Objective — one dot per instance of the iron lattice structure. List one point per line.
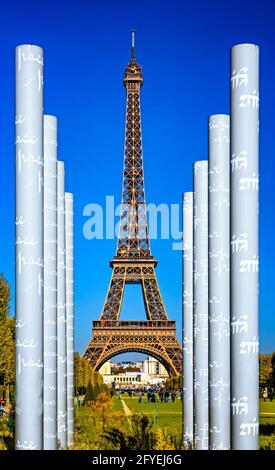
(133, 263)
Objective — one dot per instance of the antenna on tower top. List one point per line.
(133, 45)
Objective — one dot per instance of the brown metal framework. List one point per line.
(133, 263)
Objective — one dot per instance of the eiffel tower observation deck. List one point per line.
(133, 262)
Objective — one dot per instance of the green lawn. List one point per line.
(168, 416)
(267, 407)
(89, 426)
(117, 405)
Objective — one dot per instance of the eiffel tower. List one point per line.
(133, 263)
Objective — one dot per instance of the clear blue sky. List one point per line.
(184, 49)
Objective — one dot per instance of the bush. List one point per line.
(267, 442)
(90, 394)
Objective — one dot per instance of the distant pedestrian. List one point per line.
(161, 396)
(166, 396)
(153, 398)
(265, 394)
(140, 398)
(173, 396)
(149, 397)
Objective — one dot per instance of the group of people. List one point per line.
(163, 395)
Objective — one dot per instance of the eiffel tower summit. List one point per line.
(133, 262)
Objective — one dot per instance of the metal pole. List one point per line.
(61, 313)
(69, 240)
(219, 281)
(244, 246)
(29, 247)
(50, 283)
(188, 319)
(200, 292)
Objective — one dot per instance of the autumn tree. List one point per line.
(83, 374)
(265, 370)
(7, 337)
(273, 368)
(90, 394)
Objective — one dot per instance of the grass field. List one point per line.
(92, 422)
(267, 408)
(117, 405)
(167, 416)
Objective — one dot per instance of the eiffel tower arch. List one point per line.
(133, 263)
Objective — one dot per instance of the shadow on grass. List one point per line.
(266, 428)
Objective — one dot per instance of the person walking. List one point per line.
(140, 397)
(265, 394)
(166, 396)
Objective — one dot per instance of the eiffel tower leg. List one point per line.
(153, 302)
(113, 301)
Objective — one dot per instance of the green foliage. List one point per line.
(273, 368)
(6, 434)
(94, 421)
(139, 436)
(164, 441)
(7, 336)
(173, 383)
(267, 442)
(90, 394)
(83, 374)
(142, 437)
(266, 370)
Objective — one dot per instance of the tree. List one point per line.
(77, 371)
(273, 368)
(7, 337)
(265, 370)
(141, 436)
(163, 440)
(90, 394)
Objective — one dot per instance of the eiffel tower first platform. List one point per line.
(133, 263)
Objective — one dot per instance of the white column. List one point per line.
(69, 240)
(61, 313)
(29, 247)
(219, 281)
(200, 292)
(50, 283)
(188, 319)
(244, 246)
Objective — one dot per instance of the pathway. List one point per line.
(127, 410)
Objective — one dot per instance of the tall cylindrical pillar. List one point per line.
(244, 246)
(61, 313)
(200, 293)
(188, 319)
(69, 241)
(29, 247)
(50, 283)
(219, 281)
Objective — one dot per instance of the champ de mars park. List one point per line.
(212, 389)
